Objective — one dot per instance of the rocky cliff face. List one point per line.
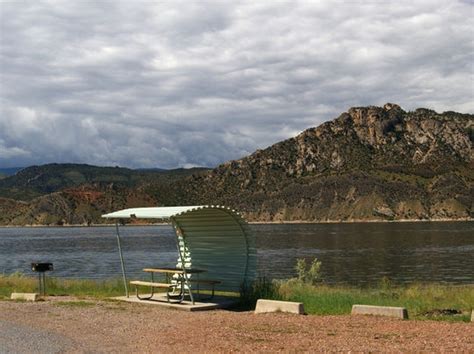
(370, 163)
(366, 138)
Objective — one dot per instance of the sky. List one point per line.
(146, 84)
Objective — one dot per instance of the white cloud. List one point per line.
(14, 152)
(146, 84)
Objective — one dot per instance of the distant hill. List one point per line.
(370, 163)
(35, 181)
(57, 194)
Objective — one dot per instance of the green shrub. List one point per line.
(310, 276)
(262, 288)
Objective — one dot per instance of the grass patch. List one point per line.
(415, 180)
(55, 286)
(421, 300)
(262, 288)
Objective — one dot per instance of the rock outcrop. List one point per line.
(369, 163)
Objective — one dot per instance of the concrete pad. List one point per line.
(397, 312)
(25, 296)
(264, 306)
(217, 302)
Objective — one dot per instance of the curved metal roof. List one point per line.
(153, 212)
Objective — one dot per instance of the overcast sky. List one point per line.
(180, 84)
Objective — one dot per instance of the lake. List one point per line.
(356, 253)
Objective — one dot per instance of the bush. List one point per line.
(262, 288)
(310, 276)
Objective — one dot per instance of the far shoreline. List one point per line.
(292, 222)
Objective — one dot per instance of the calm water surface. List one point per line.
(350, 253)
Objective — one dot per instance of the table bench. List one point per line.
(181, 283)
(213, 283)
(152, 285)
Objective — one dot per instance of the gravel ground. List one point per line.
(66, 325)
(15, 338)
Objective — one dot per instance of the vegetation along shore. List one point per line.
(423, 301)
(294, 222)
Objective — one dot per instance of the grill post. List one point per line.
(41, 269)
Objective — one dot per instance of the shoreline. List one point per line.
(283, 222)
(360, 221)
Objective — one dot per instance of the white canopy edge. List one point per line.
(160, 212)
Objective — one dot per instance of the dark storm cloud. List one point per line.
(145, 84)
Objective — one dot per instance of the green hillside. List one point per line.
(36, 181)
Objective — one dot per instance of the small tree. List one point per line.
(310, 276)
(301, 270)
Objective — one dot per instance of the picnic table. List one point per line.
(177, 283)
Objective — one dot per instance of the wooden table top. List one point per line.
(173, 270)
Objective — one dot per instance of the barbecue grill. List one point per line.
(41, 269)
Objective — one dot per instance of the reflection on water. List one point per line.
(359, 253)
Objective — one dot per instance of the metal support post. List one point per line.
(124, 275)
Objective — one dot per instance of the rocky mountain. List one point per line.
(370, 163)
